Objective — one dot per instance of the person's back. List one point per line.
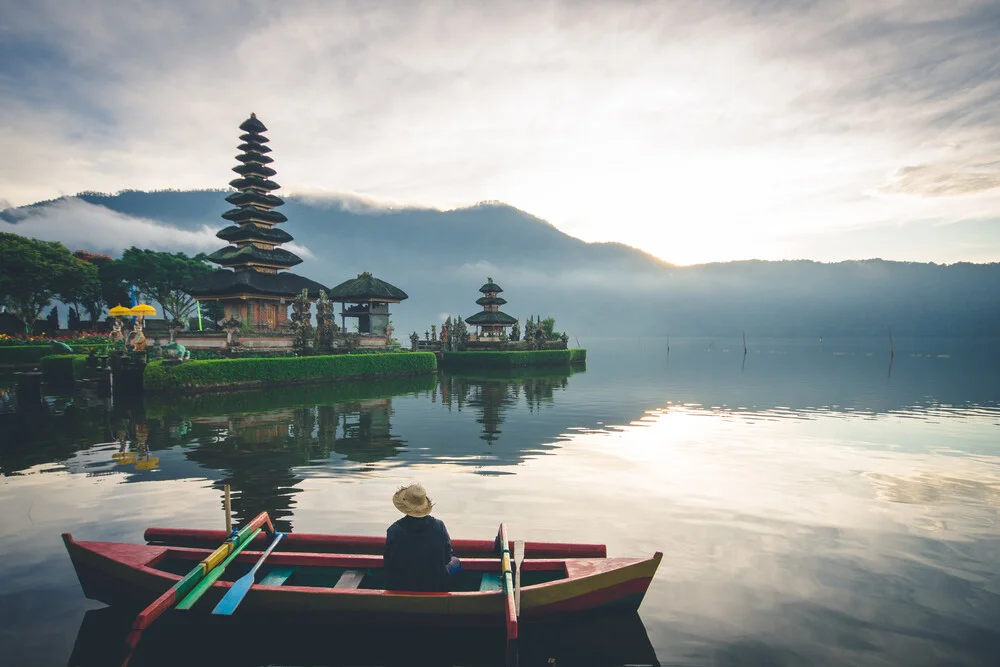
(417, 547)
(417, 552)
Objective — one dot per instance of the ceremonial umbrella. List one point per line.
(142, 310)
(119, 311)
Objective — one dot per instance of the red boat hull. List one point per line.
(127, 575)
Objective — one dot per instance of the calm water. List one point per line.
(815, 504)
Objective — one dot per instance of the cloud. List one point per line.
(943, 180)
(79, 225)
(627, 121)
(84, 226)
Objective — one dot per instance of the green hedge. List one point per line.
(513, 359)
(32, 354)
(63, 368)
(193, 376)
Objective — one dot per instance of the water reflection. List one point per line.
(813, 508)
(614, 639)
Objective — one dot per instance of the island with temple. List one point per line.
(497, 341)
(268, 335)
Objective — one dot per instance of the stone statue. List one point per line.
(117, 336)
(136, 338)
(174, 350)
(414, 339)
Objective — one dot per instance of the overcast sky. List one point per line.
(698, 131)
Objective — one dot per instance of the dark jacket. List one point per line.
(416, 555)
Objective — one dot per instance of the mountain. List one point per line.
(440, 258)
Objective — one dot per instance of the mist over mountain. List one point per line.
(440, 258)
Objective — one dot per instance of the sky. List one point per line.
(710, 130)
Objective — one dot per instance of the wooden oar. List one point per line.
(518, 559)
(510, 608)
(213, 576)
(180, 590)
(234, 596)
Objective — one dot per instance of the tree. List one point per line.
(529, 330)
(164, 276)
(212, 312)
(548, 327)
(515, 332)
(111, 288)
(32, 272)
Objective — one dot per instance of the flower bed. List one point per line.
(71, 340)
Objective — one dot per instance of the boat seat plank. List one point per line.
(277, 576)
(492, 581)
(350, 579)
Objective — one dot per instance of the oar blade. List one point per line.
(231, 600)
(234, 596)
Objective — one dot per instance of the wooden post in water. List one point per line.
(228, 508)
(892, 349)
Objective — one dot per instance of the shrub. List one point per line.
(514, 358)
(222, 373)
(63, 368)
(32, 354)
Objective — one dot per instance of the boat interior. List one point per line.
(355, 572)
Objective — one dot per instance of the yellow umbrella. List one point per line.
(142, 310)
(119, 311)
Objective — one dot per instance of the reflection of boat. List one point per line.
(352, 585)
(598, 640)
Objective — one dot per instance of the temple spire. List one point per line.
(255, 241)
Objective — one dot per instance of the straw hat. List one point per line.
(412, 500)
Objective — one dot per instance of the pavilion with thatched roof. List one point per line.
(491, 322)
(367, 298)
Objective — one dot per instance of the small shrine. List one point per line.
(491, 322)
(367, 299)
(257, 288)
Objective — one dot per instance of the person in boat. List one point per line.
(418, 554)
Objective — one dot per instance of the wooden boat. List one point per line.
(365, 544)
(351, 585)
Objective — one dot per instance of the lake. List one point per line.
(817, 502)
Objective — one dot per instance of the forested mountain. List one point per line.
(440, 258)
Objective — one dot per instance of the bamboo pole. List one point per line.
(228, 508)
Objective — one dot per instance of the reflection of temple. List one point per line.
(493, 396)
(365, 434)
(260, 451)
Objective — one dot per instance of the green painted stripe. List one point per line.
(213, 576)
(190, 580)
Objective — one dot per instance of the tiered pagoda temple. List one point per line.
(369, 300)
(492, 321)
(258, 288)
